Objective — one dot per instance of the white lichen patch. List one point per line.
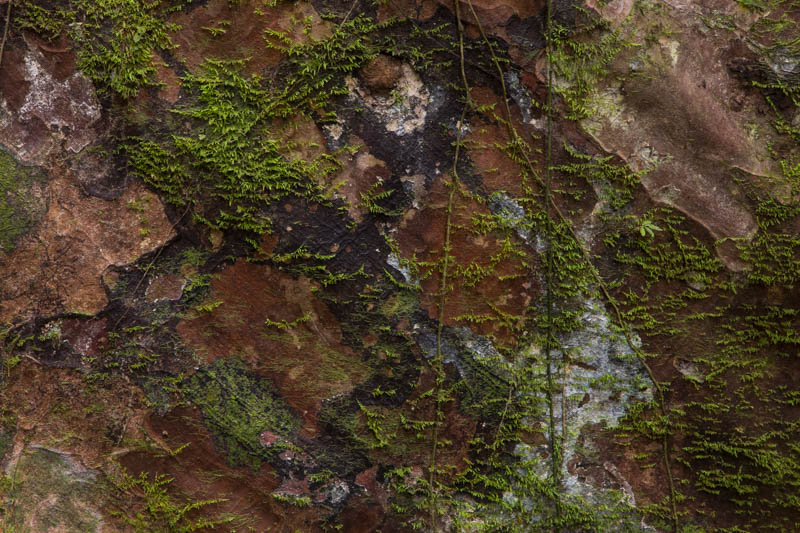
(597, 361)
(333, 132)
(672, 49)
(520, 95)
(511, 213)
(645, 157)
(606, 109)
(403, 111)
(5, 116)
(597, 378)
(68, 108)
(417, 185)
(401, 266)
(53, 487)
(784, 64)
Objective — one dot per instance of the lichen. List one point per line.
(52, 490)
(19, 206)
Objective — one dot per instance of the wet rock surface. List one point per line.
(317, 266)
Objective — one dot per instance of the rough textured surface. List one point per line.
(408, 266)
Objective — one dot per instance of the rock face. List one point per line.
(64, 493)
(492, 265)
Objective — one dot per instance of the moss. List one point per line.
(580, 59)
(773, 254)
(234, 164)
(231, 167)
(317, 67)
(616, 181)
(239, 406)
(115, 39)
(676, 255)
(161, 513)
(6, 441)
(400, 304)
(345, 452)
(19, 210)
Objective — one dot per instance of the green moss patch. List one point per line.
(231, 166)
(19, 210)
(115, 40)
(238, 407)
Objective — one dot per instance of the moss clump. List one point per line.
(580, 59)
(773, 254)
(232, 166)
(121, 59)
(160, 511)
(675, 256)
(19, 211)
(115, 39)
(238, 407)
(318, 66)
(345, 451)
(617, 182)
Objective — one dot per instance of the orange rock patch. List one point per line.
(60, 268)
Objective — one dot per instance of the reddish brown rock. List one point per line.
(301, 350)
(485, 140)
(59, 269)
(86, 337)
(381, 73)
(614, 11)
(421, 234)
(243, 492)
(52, 406)
(362, 515)
(170, 83)
(221, 29)
(166, 287)
(493, 14)
(293, 487)
(270, 439)
(680, 126)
